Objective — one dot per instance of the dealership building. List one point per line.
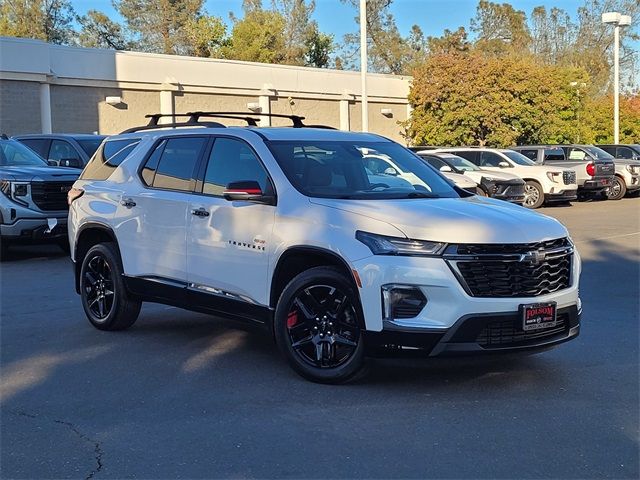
(51, 88)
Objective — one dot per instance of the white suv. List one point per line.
(542, 183)
(284, 228)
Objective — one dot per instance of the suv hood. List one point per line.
(456, 220)
(43, 173)
(460, 180)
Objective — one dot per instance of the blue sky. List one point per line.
(433, 16)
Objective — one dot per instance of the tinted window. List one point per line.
(554, 154)
(491, 159)
(38, 145)
(232, 160)
(531, 154)
(89, 145)
(609, 149)
(623, 152)
(13, 153)
(107, 158)
(176, 166)
(473, 157)
(62, 150)
(435, 162)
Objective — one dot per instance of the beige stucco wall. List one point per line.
(323, 112)
(19, 107)
(378, 123)
(192, 101)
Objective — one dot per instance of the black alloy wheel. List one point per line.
(105, 300)
(98, 286)
(322, 326)
(319, 328)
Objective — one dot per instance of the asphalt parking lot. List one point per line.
(182, 395)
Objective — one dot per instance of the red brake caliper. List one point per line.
(292, 319)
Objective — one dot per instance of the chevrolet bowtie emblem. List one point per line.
(535, 257)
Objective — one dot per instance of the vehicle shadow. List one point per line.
(18, 253)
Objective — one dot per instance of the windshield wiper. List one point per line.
(421, 195)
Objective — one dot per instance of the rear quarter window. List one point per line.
(108, 157)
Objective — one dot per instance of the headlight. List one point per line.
(552, 176)
(382, 245)
(14, 190)
(633, 168)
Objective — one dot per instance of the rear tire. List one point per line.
(319, 327)
(533, 195)
(105, 300)
(617, 190)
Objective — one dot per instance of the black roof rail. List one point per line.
(173, 125)
(296, 120)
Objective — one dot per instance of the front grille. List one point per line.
(569, 177)
(515, 270)
(509, 333)
(50, 195)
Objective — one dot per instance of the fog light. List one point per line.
(402, 301)
(20, 189)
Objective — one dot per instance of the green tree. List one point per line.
(161, 25)
(478, 100)
(99, 31)
(388, 51)
(449, 42)
(48, 20)
(318, 48)
(257, 37)
(500, 29)
(206, 36)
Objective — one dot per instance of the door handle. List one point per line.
(127, 202)
(200, 212)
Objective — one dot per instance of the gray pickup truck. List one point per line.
(594, 173)
(33, 197)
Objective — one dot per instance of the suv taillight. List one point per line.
(591, 169)
(74, 194)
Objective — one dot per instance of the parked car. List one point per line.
(246, 223)
(65, 150)
(542, 183)
(33, 202)
(627, 179)
(500, 185)
(384, 165)
(622, 151)
(594, 175)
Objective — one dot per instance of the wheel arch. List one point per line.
(298, 259)
(90, 234)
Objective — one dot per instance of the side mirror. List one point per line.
(71, 162)
(248, 191)
(391, 171)
(445, 168)
(52, 163)
(503, 165)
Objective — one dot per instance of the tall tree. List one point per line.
(161, 25)
(387, 49)
(500, 29)
(99, 31)
(257, 37)
(206, 36)
(449, 42)
(48, 20)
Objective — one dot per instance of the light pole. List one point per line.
(618, 20)
(578, 86)
(363, 65)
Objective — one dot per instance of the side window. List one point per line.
(472, 156)
(108, 156)
(530, 154)
(576, 154)
(624, 152)
(232, 160)
(435, 162)
(490, 159)
(38, 145)
(554, 154)
(611, 150)
(62, 150)
(175, 165)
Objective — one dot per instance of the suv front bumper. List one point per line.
(34, 230)
(497, 332)
(561, 196)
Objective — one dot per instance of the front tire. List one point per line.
(617, 190)
(533, 195)
(105, 300)
(319, 327)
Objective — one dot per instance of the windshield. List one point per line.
(90, 145)
(460, 163)
(366, 170)
(13, 153)
(598, 153)
(518, 158)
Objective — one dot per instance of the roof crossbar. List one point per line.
(296, 120)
